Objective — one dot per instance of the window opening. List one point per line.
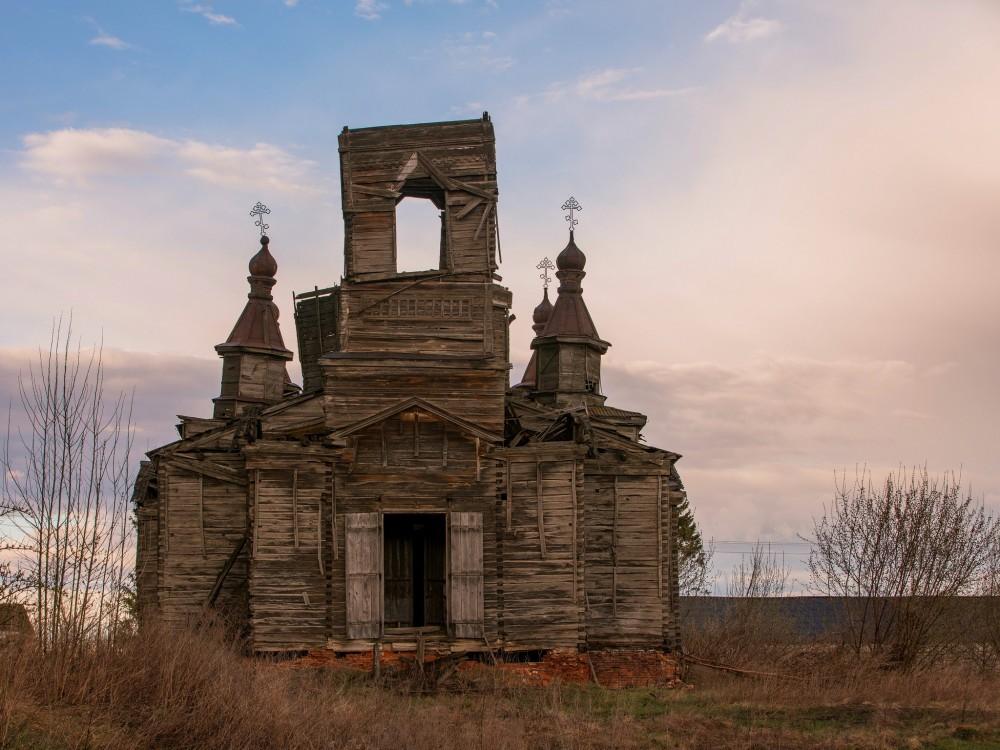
(419, 235)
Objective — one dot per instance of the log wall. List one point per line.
(201, 521)
(288, 579)
(389, 470)
(625, 528)
(541, 573)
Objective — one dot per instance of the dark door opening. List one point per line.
(414, 569)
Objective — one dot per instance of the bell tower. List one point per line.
(438, 334)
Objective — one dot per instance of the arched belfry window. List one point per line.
(419, 233)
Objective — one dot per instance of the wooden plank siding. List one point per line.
(358, 388)
(413, 463)
(201, 521)
(542, 594)
(622, 560)
(288, 587)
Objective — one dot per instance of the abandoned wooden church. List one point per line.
(407, 490)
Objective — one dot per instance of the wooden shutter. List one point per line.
(363, 561)
(465, 553)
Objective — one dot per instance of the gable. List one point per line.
(415, 439)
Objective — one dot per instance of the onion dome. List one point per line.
(571, 258)
(263, 263)
(543, 311)
(257, 327)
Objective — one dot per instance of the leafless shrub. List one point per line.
(65, 489)
(989, 613)
(900, 553)
(751, 629)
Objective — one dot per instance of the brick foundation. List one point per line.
(613, 668)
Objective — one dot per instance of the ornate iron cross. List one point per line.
(545, 266)
(571, 205)
(260, 210)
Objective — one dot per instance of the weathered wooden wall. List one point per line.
(288, 578)
(541, 576)
(202, 519)
(431, 316)
(317, 331)
(358, 387)
(403, 465)
(626, 521)
(147, 568)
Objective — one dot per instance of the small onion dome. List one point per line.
(263, 263)
(571, 258)
(543, 312)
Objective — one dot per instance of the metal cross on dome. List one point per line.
(545, 266)
(571, 205)
(260, 210)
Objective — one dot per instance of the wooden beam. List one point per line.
(166, 514)
(468, 208)
(221, 578)
(333, 511)
(295, 506)
(473, 190)
(256, 510)
(208, 468)
(510, 498)
(201, 513)
(435, 172)
(540, 507)
(576, 564)
(659, 536)
(482, 220)
(614, 553)
(376, 191)
(319, 538)
(319, 323)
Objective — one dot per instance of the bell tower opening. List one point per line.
(419, 235)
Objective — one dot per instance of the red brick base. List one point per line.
(613, 668)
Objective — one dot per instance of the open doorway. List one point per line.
(414, 549)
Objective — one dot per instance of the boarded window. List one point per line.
(466, 575)
(363, 561)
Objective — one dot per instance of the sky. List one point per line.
(790, 208)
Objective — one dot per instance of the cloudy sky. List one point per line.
(791, 209)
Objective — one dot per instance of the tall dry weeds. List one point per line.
(194, 689)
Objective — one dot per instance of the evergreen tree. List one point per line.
(693, 559)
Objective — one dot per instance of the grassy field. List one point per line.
(193, 692)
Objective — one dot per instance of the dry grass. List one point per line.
(193, 690)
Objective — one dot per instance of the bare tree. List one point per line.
(899, 553)
(13, 580)
(750, 626)
(989, 611)
(66, 488)
(761, 573)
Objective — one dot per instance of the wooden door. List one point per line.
(434, 577)
(363, 562)
(465, 574)
(398, 580)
